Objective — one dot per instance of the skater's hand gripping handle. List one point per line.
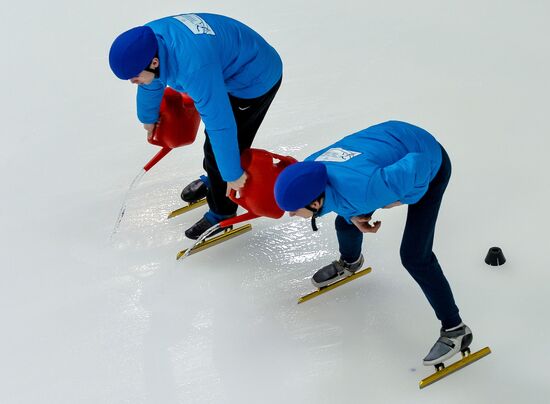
(237, 184)
(150, 128)
(232, 194)
(363, 224)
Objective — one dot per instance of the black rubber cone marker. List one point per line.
(495, 257)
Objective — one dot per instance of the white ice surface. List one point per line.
(89, 320)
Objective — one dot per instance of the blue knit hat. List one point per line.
(132, 52)
(299, 184)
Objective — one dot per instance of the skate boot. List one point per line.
(451, 341)
(207, 221)
(334, 272)
(196, 190)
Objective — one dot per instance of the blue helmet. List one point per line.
(132, 52)
(300, 184)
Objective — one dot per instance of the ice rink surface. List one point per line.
(86, 319)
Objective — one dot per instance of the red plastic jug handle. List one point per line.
(239, 201)
(285, 159)
(233, 196)
(151, 138)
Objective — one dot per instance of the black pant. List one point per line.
(416, 246)
(248, 121)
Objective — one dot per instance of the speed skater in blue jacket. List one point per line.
(386, 165)
(231, 73)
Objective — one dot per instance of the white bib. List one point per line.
(195, 23)
(337, 155)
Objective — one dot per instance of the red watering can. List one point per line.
(178, 124)
(257, 195)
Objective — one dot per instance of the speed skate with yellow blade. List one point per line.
(187, 208)
(334, 285)
(205, 242)
(441, 371)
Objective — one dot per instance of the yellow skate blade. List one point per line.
(465, 361)
(216, 240)
(324, 289)
(187, 208)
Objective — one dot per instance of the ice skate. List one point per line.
(335, 274)
(199, 228)
(194, 194)
(335, 271)
(208, 232)
(450, 342)
(196, 190)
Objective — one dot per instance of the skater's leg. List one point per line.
(416, 248)
(220, 206)
(249, 114)
(217, 201)
(350, 239)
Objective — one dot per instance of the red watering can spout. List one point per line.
(161, 153)
(177, 126)
(257, 195)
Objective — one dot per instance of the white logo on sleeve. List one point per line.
(196, 24)
(337, 155)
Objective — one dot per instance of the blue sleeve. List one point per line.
(408, 179)
(207, 88)
(148, 99)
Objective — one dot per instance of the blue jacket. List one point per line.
(209, 56)
(389, 162)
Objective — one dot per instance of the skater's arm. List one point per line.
(207, 88)
(363, 224)
(148, 99)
